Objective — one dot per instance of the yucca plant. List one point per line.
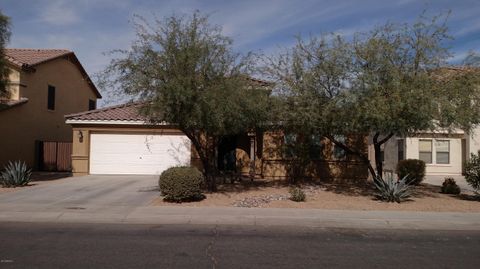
(15, 174)
(391, 190)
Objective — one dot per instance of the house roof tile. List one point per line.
(124, 112)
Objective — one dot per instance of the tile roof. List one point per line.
(124, 112)
(32, 57)
(6, 104)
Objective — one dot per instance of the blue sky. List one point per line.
(91, 27)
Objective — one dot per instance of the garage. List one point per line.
(141, 154)
(119, 140)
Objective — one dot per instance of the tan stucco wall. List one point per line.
(22, 125)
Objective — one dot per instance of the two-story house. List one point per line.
(44, 85)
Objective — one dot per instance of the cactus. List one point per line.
(391, 190)
(15, 174)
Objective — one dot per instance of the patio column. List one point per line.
(251, 135)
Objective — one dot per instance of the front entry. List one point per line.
(226, 158)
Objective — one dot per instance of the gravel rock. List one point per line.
(259, 201)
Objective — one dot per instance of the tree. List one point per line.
(187, 74)
(384, 83)
(4, 38)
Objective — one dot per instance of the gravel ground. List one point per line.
(332, 196)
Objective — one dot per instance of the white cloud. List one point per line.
(59, 12)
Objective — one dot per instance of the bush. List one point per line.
(414, 169)
(449, 186)
(472, 171)
(297, 194)
(15, 174)
(179, 184)
(391, 190)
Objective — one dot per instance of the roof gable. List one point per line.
(29, 58)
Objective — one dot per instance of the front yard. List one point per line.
(344, 196)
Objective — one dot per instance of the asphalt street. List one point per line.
(43, 245)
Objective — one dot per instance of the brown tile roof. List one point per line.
(6, 104)
(124, 112)
(28, 58)
(32, 57)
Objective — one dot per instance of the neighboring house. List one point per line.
(443, 153)
(44, 85)
(117, 140)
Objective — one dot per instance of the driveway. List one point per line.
(85, 192)
(438, 180)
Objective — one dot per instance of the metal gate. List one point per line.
(55, 156)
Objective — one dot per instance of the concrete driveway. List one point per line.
(438, 180)
(85, 192)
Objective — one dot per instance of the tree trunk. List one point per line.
(377, 146)
(206, 152)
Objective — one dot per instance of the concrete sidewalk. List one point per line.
(248, 216)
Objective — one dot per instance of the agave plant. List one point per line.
(15, 174)
(391, 190)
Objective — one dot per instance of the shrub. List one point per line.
(472, 171)
(297, 194)
(414, 169)
(391, 190)
(179, 184)
(15, 174)
(449, 186)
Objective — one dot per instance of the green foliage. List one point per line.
(472, 171)
(391, 190)
(15, 174)
(179, 184)
(449, 186)
(297, 194)
(4, 38)
(414, 169)
(187, 73)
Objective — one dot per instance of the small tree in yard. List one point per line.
(187, 74)
(387, 82)
(4, 38)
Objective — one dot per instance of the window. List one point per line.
(92, 104)
(425, 150)
(290, 140)
(442, 148)
(401, 149)
(338, 152)
(51, 98)
(316, 147)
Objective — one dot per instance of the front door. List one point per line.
(227, 159)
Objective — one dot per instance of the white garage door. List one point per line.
(137, 154)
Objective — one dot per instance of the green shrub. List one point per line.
(15, 174)
(414, 169)
(449, 186)
(472, 171)
(391, 190)
(297, 194)
(179, 184)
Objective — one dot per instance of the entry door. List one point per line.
(137, 153)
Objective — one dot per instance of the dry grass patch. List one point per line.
(345, 196)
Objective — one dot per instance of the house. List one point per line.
(44, 85)
(118, 140)
(443, 153)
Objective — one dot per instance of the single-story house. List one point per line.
(444, 153)
(119, 140)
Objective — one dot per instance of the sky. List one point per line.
(92, 27)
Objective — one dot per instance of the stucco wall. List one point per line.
(22, 125)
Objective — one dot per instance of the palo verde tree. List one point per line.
(4, 38)
(384, 83)
(185, 71)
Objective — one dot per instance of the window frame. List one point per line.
(431, 150)
(90, 102)
(437, 151)
(51, 97)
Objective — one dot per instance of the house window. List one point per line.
(425, 151)
(92, 104)
(338, 152)
(51, 98)
(316, 147)
(442, 150)
(401, 149)
(290, 140)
